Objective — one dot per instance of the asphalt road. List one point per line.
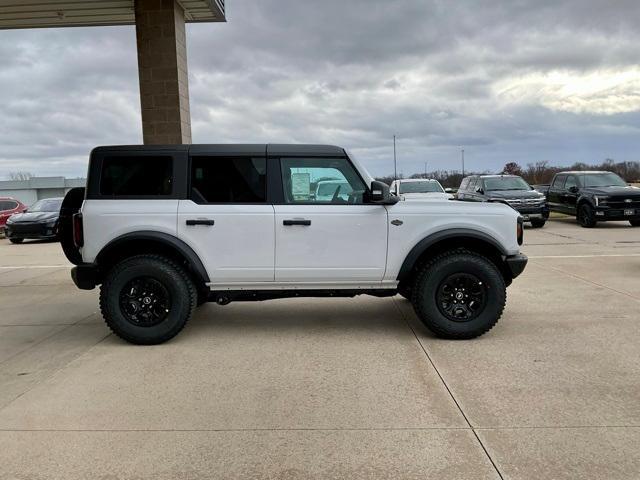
(331, 388)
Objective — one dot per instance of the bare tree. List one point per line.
(20, 175)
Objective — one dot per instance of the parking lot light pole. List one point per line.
(462, 162)
(395, 164)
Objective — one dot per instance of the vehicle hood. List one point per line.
(629, 191)
(31, 217)
(426, 196)
(508, 194)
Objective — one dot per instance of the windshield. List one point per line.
(420, 187)
(602, 180)
(505, 183)
(49, 205)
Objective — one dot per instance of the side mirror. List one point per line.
(573, 189)
(480, 190)
(380, 194)
(448, 190)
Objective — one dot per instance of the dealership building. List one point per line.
(36, 188)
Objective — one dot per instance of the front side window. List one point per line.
(428, 186)
(133, 176)
(321, 180)
(228, 180)
(7, 205)
(472, 183)
(464, 184)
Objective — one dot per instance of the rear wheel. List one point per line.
(586, 216)
(635, 223)
(536, 223)
(147, 299)
(16, 240)
(459, 295)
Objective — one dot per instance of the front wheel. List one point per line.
(537, 223)
(459, 295)
(635, 223)
(147, 299)
(586, 216)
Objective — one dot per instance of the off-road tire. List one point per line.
(635, 223)
(538, 223)
(586, 216)
(170, 275)
(436, 271)
(404, 291)
(16, 240)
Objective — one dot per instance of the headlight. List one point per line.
(600, 200)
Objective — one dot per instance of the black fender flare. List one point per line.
(585, 199)
(418, 249)
(167, 240)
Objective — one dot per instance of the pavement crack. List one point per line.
(455, 401)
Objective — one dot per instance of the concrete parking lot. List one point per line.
(340, 388)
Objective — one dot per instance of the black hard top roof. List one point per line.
(230, 148)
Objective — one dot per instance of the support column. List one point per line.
(162, 70)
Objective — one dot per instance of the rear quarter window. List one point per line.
(135, 176)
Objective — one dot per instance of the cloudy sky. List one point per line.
(513, 80)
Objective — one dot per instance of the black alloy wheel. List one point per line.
(145, 302)
(461, 297)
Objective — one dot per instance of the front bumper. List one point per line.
(528, 213)
(516, 263)
(85, 276)
(604, 213)
(31, 230)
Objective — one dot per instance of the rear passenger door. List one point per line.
(226, 218)
(329, 242)
(556, 190)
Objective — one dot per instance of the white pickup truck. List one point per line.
(163, 229)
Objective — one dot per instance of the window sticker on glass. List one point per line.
(300, 186)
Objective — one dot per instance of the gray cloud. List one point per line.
(523, 81)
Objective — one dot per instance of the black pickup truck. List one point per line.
(511, 190)
(593, 197)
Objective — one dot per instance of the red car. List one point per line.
(9, 206)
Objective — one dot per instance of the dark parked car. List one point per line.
(509, 189)
(593, 197)
(39, 221)
(9, 206)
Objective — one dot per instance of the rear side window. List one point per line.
(558, 182)
(130, 176)
(228, 180)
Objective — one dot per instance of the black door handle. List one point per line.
(206, 222)
(288, 223)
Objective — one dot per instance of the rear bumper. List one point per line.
(85, 276)
(516, 263)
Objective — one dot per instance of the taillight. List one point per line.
(78, 233)
(520, 230)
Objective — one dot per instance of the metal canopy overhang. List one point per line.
(74, 13)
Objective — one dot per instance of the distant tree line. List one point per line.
(534, 173)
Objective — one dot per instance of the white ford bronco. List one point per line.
(163, 229)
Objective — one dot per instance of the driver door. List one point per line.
(323, 239)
